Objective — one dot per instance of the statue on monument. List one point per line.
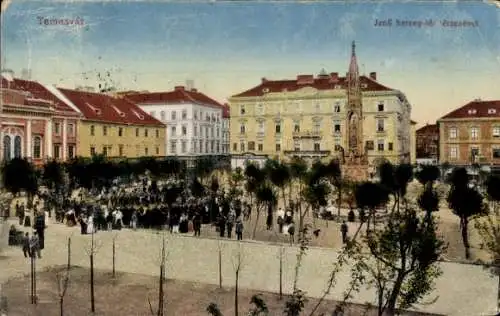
(353, 132)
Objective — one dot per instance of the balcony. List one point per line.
(308, 153)
(307, 134)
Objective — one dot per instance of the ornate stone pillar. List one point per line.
(48, 139)
(27, 152)
(65, 139)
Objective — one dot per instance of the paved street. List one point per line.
(461, 290)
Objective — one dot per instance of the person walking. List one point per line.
(35, 246)
(26, 245)
(281, 219)
(197, 224)
(344, 229)
(291, 232)
(133, 220)
(230, 222)
(239, 229)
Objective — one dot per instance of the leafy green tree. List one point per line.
(213, 310)
(466, 203)
(20, 175)
(265, 197)
(254, 179)
(53, 175)
(279, 174)
(314, 194)
(428, 174)
(334, 174)
(396, 180)
(79, 176)
(428, 201)
(298, 174)
(370, 196)
(259, 307)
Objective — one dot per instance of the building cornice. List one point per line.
(89, 121)
(468, 119)
(319, 95)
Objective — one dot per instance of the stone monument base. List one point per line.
(356, 172)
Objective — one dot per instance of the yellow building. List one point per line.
(307, 116)
(114, 126)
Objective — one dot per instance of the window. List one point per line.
(120, 131)
(452, 132)
(104, 131)
(474, 133)
(183, 146)
(206, 147)
(57, 128)
(496, 131)
(173, 131)
(390, 146)
(92, 130)
(260, 147)
(201, 131)
(92, 150)
(317, 146)
(235, 146)
(260, 109)
(296, 145)
(217, 147)
(218, 132)
(242, 129)
(201, 146)
(195, 130)
(195, 114)
(206, 131)
(336, 128)
(184, 114)
(261, 127)
(71, 151)
(474, 153)
(278, 147)
(318, 107)
(278, 128)
(195, 146)
(162, 115)
(380, 145)
(380, 125)
(381, 107)
(146, 132)
(174, 115)
(136, 132)
(212, 146)
(37, 147)
(71, 129)
(157, 133)
(120, 150)
(104, 150)
(496, 153)
(173, 147)
(317, 127)
(242, 146)
(336, 107)
(157, 150)
(251, 146)
(57, 151)
(146, 151)
(212, 131)
(242, 110)
(369, 145)
(184, 130)
(453, 152)
(296, 128)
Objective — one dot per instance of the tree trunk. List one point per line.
(236, 293)
(220, 268)
(396, 289)
(498, 292)
(61, 304)
(160, 291)
(32, 280)
(256, 222)
(92, 298)
(114, 254)
(464, 223)
(339, 202)
(281, 275)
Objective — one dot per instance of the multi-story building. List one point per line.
(428, 142)
(194, 121)
(34, 124)
(226, 120)
(471, 134)
(307, 117)
(113, 126)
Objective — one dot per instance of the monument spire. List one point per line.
(353, 66)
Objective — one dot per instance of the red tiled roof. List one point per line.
(226, 111)
(39, 95)
(476, 109)
(179, 95)
(428, 129)
(102, 107)
(324, 82)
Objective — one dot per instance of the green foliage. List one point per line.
(18, 175)
(371, 195)
(466, 202)
(298, 168)
(53, 175)
(493, 188)
(259, 306)
(295, 304)
(213, 310)
(428, 201)
(428, 174)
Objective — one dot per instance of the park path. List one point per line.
(461, 290)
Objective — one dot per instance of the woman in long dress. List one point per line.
(90, 225)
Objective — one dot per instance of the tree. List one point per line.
(428, 201)
(219, 261)
(370, 196)
(92, 250)
(396, 179)
(254, 177)
(279, 174)
(334, 175)
(314, 194)
(466, 203)
(489, 228)
(404, 261)
(259, 306)
(298, 173)
(427, 175)
(19, 175)
(237, 269)
(62, 279)
(265, 197)
(214, 310)
(161, 290)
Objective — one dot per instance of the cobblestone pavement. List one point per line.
(461, 290)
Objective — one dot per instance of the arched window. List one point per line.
(37, 147)
(17, 147)
(7, 155)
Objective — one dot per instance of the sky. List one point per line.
(227, 47)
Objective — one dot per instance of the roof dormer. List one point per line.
(93, 108)
(472, 111)
(117, 110)
(140, 116)
(492, 111)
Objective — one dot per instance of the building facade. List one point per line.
(226, 121)
(428, 142)
(471, 134)
(113, 126)
(34, 124)
(307, 117)
(195, 122)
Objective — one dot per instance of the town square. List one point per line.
(249, 158)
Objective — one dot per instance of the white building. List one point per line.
(195, 123)
(226, 120)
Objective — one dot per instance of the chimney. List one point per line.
(334, 76)
(179, 88)
(190, 84)
(263, 80)
(305, 79)
(194, 90)
(373, 76)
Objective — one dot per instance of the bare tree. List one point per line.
(219, 249)
(92, 250)
(114, 255)
(62, 279)
(280, 257)
(237, 264)
(161, 291)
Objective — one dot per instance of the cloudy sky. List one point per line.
(227, 47)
